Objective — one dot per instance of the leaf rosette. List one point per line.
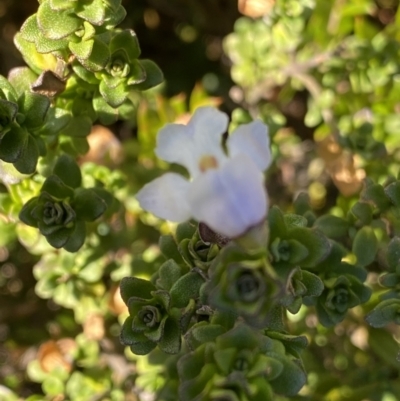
(151, 320)
(123, 72)
(301, 283)
(61, 210)
(21, 117)
(292, 243)
(240, 364)
(202, 248)
(243, 284)
(340, 294)
(62, 28)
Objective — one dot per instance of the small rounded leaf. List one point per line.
(185, 289)
(386, 312)
(154, 75)
(332, 226)
(365, 246)
(393, 253)
(68, 170)
(88, 205)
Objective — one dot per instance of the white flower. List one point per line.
(226, 191)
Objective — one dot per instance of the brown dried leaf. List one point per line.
(116, 303)
(340, 165)
(55, 354)
(48, 84)
(93, 327)
(105, 148)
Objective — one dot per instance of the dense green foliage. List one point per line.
(280, 278)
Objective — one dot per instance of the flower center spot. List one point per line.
(207, 162)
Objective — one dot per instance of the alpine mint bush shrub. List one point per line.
(251, 254)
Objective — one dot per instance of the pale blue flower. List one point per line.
(226, 190)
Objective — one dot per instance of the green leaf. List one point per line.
(393, 193)
(185, 289)
(386, 312)
(389, 280)
(56, 25)
(154, 75)
(332, 226)
(26, 163)
(365, 246)
(393, 253)
(294, 220)
(291, 380)
(77, 238)
(363, 212)
(46, 45)
(34, 106)
(53, 385)
(13, 143)
(88, 205)
(55, 187)
(190, 365)
(203, 332)
(106, 196)
(60, 5)
(107, 114)
(136, 287)
(68, 170)
(143, 348)
(314, 284)
(82, 50)
(80, 146)
(137, 74)
(184, 230)
(224, 359)
(171, 340)
(169, 273)
(384, 347)
(127, 41)
(115, 18)
(37, 61)
(25, 215)
(85, 74)
(113, 96)
(30, 30)
(8, 112)
(317, 244)
(297, 251)
(57, 119)
(79, 126)
(60, 237)
(376, 194)
(21, 78)
(98, 57)
(276, 223)
(293, 344)
(169, 248)
(93, 11)
(127, 336)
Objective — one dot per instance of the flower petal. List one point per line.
(230, 200)
(165, 197)
(187, 145)
(207, 126)
(175, 145)
(253, 140)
